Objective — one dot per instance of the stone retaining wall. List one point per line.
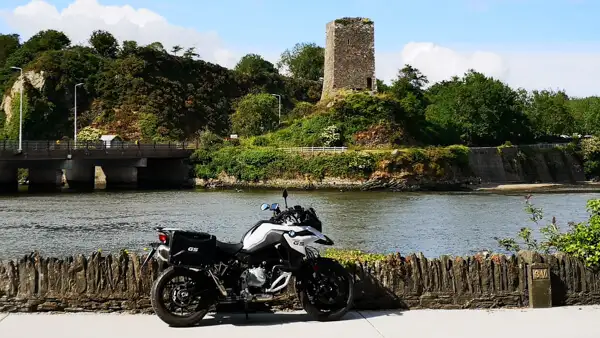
(116, 283)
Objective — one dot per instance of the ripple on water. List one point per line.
(434, 224)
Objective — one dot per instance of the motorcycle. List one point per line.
(257, 269)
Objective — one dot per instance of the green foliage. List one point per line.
(549, 113)
(104, 43)
(9, 43)
(478, 110)
(89, 134)
(254, 164)
(254, 64)
(581, 240)
(11, 129)
(301, 110)
(590, 152)
(255, 114)
(351, 257)
(305, 60)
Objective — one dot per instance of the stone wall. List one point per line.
(349, 56)
(116, 283)
(525, 165)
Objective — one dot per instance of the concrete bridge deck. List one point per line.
(125, 165)
(572, 322)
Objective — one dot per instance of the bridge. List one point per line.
(126, 165)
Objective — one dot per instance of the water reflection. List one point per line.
(434, 224)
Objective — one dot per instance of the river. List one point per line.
(435, 224)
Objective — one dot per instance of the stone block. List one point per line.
(539, 285)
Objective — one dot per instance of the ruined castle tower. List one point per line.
(349, 56)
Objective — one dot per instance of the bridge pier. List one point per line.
(120, 178)
(44, 179)
(165, 174)
(81, 176)
(9, 182)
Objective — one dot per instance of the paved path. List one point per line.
(564, 322)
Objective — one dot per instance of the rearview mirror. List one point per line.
(285, 193)
(274, 206)
(264, 207)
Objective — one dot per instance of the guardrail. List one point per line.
(315, 149)
(11, 145)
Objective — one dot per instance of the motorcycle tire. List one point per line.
(313, 310)
(159, 307)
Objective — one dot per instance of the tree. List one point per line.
(176, 49)
(305, 60)
(9, 43)
(255, 114)
(89, 134)
(104, 43)
(586, 114)
(254, 64)
(549, 113)
(478, 110)
(190, 53)
(382, 87)
(408, 88)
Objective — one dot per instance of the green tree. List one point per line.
(586, 114)
(190, 53)
(104, 43)
(89, 134)
(549, 113)
(382, 87)
(254, 64)
(304, 60)
(9, 43)
(176, 49)
(255, 114)
(478, 110)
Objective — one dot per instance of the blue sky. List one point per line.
(517, 35)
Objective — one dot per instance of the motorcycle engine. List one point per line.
(256, 277)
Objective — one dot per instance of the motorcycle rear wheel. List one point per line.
(180, 297)
(318, 287)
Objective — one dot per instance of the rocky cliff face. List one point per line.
(37, 80)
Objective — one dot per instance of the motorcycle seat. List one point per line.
(229, 248)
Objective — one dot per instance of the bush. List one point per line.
(581, 240)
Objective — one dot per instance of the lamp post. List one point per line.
(279, 97)
(75, 122)
(20, 109)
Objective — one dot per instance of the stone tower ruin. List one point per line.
(349, 56)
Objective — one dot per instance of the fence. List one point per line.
(315, 149)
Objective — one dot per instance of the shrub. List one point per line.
(581, 240)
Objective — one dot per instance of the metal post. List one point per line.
(75, 122)
(20, 109)
(279, 107)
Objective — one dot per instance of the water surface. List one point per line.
(435, 224)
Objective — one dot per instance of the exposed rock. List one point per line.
(37, 80)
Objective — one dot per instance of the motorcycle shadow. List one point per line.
(264, 318)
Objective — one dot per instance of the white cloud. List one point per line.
(571, 69)
(575, 71)
(82, 17)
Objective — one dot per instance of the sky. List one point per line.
(533, 44)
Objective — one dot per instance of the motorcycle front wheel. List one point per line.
(181, 297)
(326, 292)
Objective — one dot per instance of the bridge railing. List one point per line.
(11, 145)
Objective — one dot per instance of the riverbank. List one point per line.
(328, 184)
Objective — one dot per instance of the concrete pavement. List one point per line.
(571, 322)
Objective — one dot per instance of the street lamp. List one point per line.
(20, 109)
(279, 97)
(75, 123)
